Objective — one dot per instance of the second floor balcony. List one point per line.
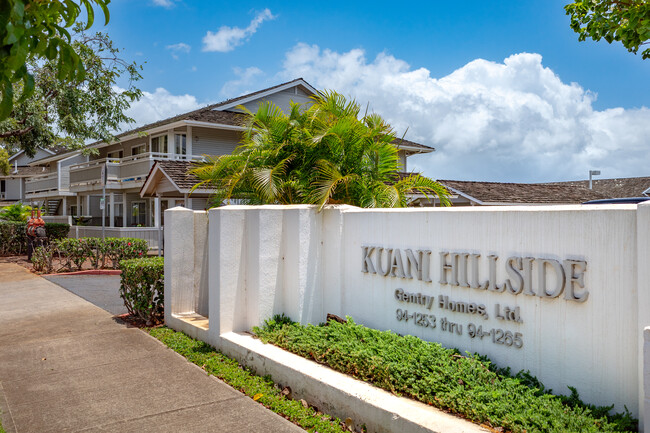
(42, 184)
(121, 173)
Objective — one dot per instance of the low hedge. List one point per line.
(470, 386)
(13, 239)
(73, 253)
(142, 288)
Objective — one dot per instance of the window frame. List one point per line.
(157, 137)
(138, 146)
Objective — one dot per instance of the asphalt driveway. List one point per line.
(100, 290)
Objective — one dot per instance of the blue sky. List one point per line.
(557, 108)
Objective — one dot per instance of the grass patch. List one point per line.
(260, 389)
(470, 386)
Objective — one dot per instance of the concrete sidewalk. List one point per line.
(67, 366)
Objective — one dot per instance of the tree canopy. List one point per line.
(69, 113)
(34, 30)
(626, 21)
(322, 153)
(5, 167)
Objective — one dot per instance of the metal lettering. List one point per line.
(366, 260)
(559, 278)
(396, 265)
(575, 274)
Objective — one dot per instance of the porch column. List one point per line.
(188, 142)
(111, 210)
(64, 210)
(87, 204)
(171, 146)
(78, 205)
(125, 211)
(156, 212)
(185, 198)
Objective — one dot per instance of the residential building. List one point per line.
(74, 180)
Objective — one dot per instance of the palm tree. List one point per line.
(327, 153)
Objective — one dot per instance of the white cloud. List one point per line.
(245, 83)
(510, 121)
(159, 105)
(227, 38)
(180, 47)
(164, 3)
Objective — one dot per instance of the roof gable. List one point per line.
(260, 95)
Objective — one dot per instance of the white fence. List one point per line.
(150, 234)
(562, 291)
(57, 219)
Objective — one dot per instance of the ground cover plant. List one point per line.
(142, 288)
(260, 389)
(469, 386)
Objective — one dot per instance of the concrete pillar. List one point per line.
(643, 290)
(111, 209)
(179, 262)
(227, 278)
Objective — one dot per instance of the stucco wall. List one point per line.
(297, 261)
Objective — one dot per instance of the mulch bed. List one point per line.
(133, 321)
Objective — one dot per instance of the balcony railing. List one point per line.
(42, 183)
(120, 172)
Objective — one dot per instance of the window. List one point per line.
(73, 210)
(137, 150)
(138, 213)
(180, 141)
(159, 144)
(116, 154)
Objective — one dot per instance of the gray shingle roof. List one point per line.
(208, 113)
(525, 193)
(614, 188)
(179, 173)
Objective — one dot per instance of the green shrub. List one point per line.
(16, 212)
(467, 385)
(75, 252)
(43, 259)
(13, 240)
(142, 288)
(56, 231)
(118, 249)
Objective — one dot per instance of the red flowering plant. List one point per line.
(125, 248)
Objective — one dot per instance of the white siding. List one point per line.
(281, 99)
(23, 159)
(13, 189)
(213, 142)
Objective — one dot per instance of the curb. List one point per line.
(88, 272)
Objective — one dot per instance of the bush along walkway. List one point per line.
(260, 389)
(470, 386)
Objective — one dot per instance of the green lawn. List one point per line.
(260, 389)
